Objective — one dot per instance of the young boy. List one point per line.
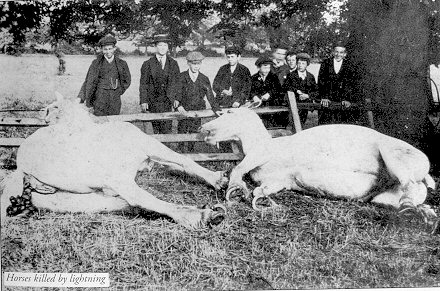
(232, 83)
(267, 89)
(107, 79)
(157, 75)
(302, 83)
(189, 92)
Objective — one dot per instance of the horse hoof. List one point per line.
(219, 208)
(265, 203)
(216, 219)
(232, 193)
(407, 210)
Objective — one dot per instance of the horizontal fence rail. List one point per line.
(177, 138)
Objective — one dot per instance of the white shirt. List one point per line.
(193, 76)
(337, 65)
(110, 59)
(233, 68)
(302, 75)
(163, 59)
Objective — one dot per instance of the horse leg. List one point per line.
(236, 182)
(175, 161)
(71, 202)
(188, 216)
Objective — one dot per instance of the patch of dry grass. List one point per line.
(308, 243)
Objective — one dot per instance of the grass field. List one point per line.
(310, 242)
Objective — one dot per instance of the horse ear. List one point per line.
(59, 96)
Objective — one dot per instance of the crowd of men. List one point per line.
(163, 88)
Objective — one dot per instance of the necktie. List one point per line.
(162, 63)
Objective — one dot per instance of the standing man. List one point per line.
(302, 83)
(107, 79)
(157, 76)
(335, 81)
(232, 84)
(279, 66)
(189, 92)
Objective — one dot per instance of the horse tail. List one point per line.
(12, 185)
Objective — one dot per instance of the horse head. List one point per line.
(65, 110)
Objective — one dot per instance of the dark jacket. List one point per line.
(88, 89)
(308, 85)
(191, 94)
(281, 72)
(240, 81)
(271, 85)
(155, 84)
(336, 87)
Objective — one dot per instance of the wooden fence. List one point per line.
(177, 138)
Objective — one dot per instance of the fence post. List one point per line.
(294, 110)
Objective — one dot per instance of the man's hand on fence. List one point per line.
(227, 92)
(346, 104)
(144, 107)
(325, 102)
(256, 99)
(303, 96)
(181, 110)
(265, 96)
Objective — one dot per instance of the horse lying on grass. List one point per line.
(78, 165)
(342, 161)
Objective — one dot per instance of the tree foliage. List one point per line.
(19, 17)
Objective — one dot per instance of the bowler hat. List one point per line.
(161, 38)
(232, 50)
(263, 60)
(194, 56)
(107, 40)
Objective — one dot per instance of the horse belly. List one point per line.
(319, 176)
(342, 184)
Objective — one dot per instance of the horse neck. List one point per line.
(254, 137)
(76, 118)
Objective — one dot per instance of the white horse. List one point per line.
(91, 167)
(344, 161)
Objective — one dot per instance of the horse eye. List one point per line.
(230, 111)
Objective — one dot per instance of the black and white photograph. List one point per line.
(219, 144)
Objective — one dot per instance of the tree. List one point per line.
(276, 17)
(19, 17)
(391, 42)
(176, 18)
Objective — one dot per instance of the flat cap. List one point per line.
(161, 38)
(232, 50)
(263, 60)
(107, 40)
(340, 43)
(303, 56)
(194, 56)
